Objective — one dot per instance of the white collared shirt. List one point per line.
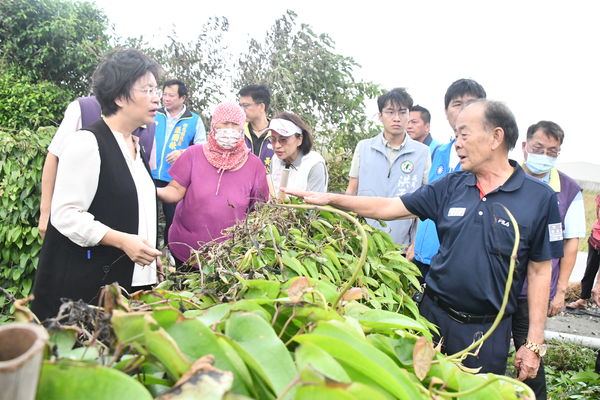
(76, 184)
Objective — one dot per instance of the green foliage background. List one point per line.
(48, 52)
(21, 160)
(53, 40)
(28, 105)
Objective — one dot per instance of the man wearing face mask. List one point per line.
(540, 151)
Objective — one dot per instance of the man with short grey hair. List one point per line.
(468, 275)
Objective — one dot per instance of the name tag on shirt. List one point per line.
(555, 232)
(456, 212)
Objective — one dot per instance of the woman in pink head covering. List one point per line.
(215, 183)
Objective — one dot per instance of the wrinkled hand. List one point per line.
(317, 198)
(557, 304)
(138, 250)
(596, 294)
(43, 223)
(526, 363)
(174, 155)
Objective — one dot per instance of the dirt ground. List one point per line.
(586, 323)
(578, 322)
(575, 324)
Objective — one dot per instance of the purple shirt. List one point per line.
(203, 213)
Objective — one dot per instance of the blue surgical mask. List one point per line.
(540, 163)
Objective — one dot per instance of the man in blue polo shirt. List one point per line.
(176, 129)
(465, 285)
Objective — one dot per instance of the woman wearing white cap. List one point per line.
(295, 166)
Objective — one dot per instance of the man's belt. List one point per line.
(460, 316)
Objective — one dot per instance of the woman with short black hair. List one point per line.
(103, 214)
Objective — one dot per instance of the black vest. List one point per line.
(67, 270)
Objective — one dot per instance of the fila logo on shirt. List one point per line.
(503, 222)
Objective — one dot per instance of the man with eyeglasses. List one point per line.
(391, 164)
(255, 100)
(540, 151)
(80, 113)
(177, 128)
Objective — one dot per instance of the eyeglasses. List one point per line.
(282, 139)
(152, 91)
(388, 112)
(246, 105)
(541, 150)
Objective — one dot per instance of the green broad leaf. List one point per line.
(337, 391)
(413, 279)
(212, 315)
(261, 289)
(311, 267)
(238, 367)
(195, 340)
(63, 339)
(381, 320)
(315, 357)
(90, 353)
(315, 314)
(148, 380)
(469, 381)
(331, 254)
(262, 351)
(26, 286)
(254, 306)
(74, 381)
(129, 327)
(16, 274)
(327, 265)
(164, 348)
(448, 372)
(293, 264)
(390, 275)
(334, 338)
(398, 349)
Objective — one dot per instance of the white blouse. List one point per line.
(76, 184)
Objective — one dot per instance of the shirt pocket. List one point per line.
(501, 237)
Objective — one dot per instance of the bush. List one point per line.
(53, 40)
(27, 105)
(21, 160)
(570, 372)
(569, 357)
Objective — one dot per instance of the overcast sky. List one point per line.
(539, 57)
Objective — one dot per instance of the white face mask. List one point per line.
(227, 138)
(540, 163)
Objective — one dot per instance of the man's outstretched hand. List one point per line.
(317, 198)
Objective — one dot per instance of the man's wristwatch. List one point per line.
(539, 349)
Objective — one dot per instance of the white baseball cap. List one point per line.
(284, 127)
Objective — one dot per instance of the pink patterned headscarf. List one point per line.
(220, 158)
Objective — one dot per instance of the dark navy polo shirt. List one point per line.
(476, 236)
